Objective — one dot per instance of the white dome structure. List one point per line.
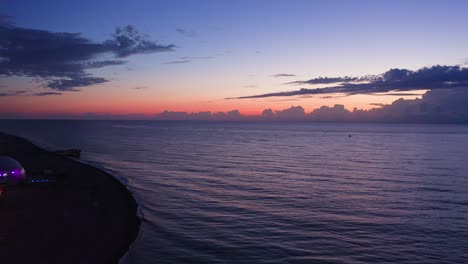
(11, 170)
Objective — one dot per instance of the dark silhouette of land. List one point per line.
(88, 216)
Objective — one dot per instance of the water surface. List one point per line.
(214, 192)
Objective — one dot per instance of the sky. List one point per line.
(141, 58)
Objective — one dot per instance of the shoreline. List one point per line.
(89, 216)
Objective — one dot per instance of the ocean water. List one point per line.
(214, 192)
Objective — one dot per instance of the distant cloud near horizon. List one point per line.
(436, 106)
(394, 80)
(233, 115)
(61, 60)
(283, 75)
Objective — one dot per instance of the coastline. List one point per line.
(89, 216)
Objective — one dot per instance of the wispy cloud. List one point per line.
(187, 32)
(329, 80)
(185, 59)
(177, 62)
(47, 94)
(140, 87)
(12, 93)
(202, 58)
(27, 93)
(283, 75)
(394, 80)
(61, 59)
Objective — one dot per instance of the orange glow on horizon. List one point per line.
(76, 104)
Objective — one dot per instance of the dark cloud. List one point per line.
(61, 59)
(171, 115)
(206, 115)
(292, 113)
(187, 32)
(435, 106)
(12, 93)
(104, 63)
(27, 93)
(128, 41)
(337, 113)
(397, 94)
(47, 94)
(71, 84)
(290, 93)
(394, 80)
(283, 75)
(268, 114)
(234, 114)
(327, 80)
(324, 97)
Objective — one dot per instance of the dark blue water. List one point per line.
(282, 192)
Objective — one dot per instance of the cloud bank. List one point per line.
(435, 106)
(61, 60)
(394, 80)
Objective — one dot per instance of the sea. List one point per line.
(281, 192)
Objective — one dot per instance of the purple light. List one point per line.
(15, 173)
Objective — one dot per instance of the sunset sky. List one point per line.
(199, 53)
